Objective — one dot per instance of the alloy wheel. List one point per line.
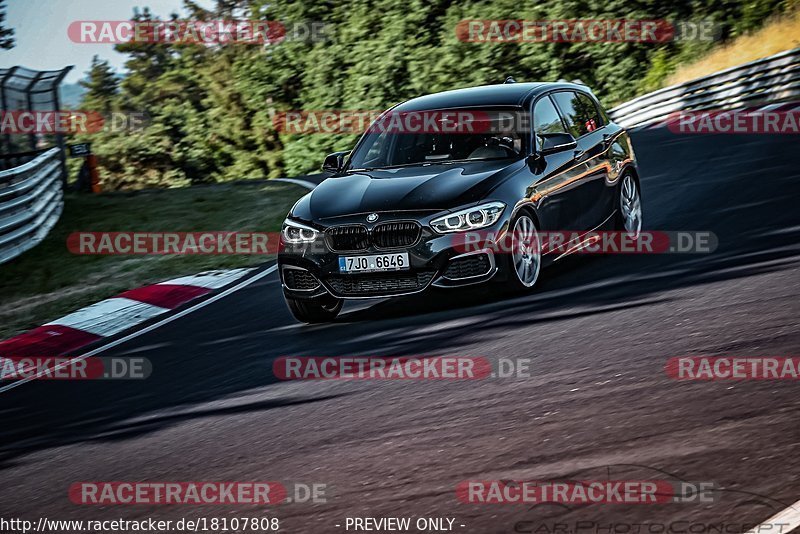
(631, 205)
(526, 251)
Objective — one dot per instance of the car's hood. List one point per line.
(417, 188)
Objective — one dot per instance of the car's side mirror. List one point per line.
(556, 142)
(334, 162)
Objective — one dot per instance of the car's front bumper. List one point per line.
(310, 270)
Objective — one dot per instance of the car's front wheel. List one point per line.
(523, 258)
(629, 214)
(317, 310)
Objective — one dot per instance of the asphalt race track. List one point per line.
(598, 332)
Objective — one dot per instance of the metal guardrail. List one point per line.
(9, 161)
(31, 201)
(768, 80)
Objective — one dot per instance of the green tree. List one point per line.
(101, 85)
(6, 34)
(211, 106)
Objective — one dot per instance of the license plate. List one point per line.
(377, 262)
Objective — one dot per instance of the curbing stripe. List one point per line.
(110, 316)
(46, 341)
(166, 295)
(209, 279)
(116, 315)
(783, 522)
(147, 329)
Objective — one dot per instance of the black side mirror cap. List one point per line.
(334, 162)
(556, 142)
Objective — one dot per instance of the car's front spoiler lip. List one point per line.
(438, 281)
(366, 297)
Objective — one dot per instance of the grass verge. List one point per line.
(776, 36)
(48, 281)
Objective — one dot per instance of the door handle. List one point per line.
(578, 154)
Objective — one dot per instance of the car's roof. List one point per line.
(501, 95)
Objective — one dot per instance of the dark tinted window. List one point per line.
(546, 119)
(412, 141)
(603, 114)
(589, 111)
(579, 111)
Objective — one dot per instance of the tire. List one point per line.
(629, 206)
(318, 310)
(523, 262)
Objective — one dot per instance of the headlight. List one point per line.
(469, 218)
(294, 232)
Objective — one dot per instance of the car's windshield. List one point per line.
(437, 137)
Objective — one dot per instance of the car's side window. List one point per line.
(546, 119)
(603, 113)
(588, 113)
(579, 111)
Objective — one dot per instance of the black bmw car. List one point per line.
(516, 159)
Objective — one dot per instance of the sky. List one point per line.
(40, 31)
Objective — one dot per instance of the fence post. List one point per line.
(59, 136)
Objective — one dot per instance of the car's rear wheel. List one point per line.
(629, 214)
(523, 261)
(317, 310)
